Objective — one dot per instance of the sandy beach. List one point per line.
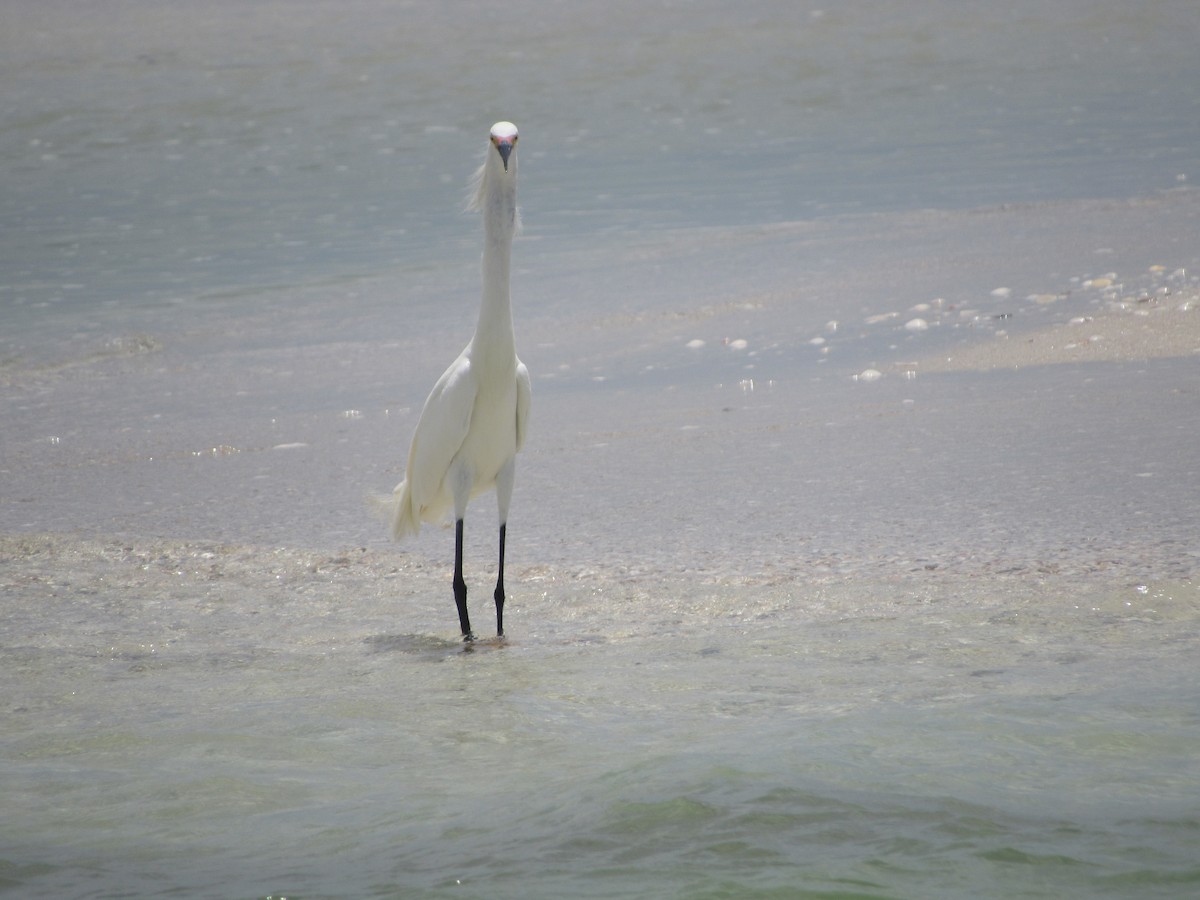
(1153, 324)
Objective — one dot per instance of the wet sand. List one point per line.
(1148, 326)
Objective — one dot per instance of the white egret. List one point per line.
(473, 422)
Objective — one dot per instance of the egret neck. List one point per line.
(499, 226)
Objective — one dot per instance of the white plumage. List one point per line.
(473, 422)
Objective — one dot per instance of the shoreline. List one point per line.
(1127, 330)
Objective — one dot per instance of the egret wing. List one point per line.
(441, 430)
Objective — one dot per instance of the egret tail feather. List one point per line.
(396, 510)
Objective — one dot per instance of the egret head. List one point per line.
(504, 139)
(500, 183)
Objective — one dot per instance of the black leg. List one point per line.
(500, 587)
(460, 586)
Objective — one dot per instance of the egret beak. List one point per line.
(504, 148)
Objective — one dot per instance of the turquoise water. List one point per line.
(776, 629)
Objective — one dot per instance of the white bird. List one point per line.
(473, 422)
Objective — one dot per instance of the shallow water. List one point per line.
(791, 613)
(194, 706)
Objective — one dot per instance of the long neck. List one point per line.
(499, 223)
